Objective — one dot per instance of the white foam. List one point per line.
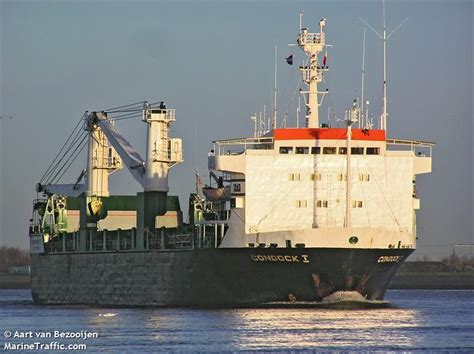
(344, 296)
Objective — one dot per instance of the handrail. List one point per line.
(410, 142)
(245, 141)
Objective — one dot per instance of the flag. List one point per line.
(289, 60)
(325, 58)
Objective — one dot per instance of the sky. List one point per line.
(213, 61)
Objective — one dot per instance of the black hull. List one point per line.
(212, 277)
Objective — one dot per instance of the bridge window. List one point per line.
(357, 151)
(373, 151)
(301, 203)
(316, 150)
(342, 177)
(321, 203)
(329, 150)
(357, 204)
(364, 177)
(342, 151)
(286, 150)
(237, 187)
(316, 177)
(294, 177)
(302, 150)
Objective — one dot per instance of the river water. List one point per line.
(416, 320)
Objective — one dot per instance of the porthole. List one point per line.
(353, 240)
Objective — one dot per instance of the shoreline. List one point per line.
(433, 281)
(14, 281)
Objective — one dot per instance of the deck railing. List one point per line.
(237, 146)
(420, 148)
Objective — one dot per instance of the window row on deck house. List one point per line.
(363, 177)
(322, 203)
(328, 150)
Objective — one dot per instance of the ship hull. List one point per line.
(212, 277)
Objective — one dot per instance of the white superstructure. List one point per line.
(322, 186)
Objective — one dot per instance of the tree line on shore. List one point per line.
(13, 257)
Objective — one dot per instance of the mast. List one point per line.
(275, 93)
(361, 122)
(298, 112)
(384, 113)
(312, 73)
(265, 123)
(351, 118)
(384, 37)
(254, 120)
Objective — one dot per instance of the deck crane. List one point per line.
(109, 151)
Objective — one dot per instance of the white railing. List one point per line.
(171, 115)
(221, 146)
(411, 144)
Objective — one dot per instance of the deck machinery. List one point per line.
(83, 226)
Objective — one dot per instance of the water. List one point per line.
(418, 320)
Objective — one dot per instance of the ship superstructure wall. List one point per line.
(291, 191)
(303, 191)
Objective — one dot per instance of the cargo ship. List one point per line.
(300, 214)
